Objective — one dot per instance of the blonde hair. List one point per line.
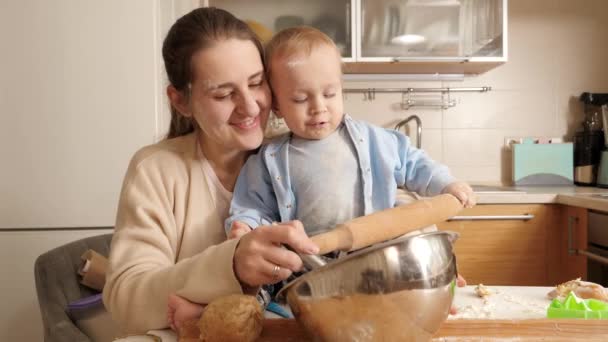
(296, 40)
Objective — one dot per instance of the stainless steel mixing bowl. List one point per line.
(400, 290)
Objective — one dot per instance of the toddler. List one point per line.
(330, 168)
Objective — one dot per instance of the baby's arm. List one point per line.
(420, 173)
(253, 202)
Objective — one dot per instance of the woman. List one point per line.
(169, 236)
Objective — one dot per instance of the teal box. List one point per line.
(543, 164)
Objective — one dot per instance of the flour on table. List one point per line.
(499, 303)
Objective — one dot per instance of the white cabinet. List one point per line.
(430, 30)
(335, 18)
(20, 315)
(393, 36)
(80, 92)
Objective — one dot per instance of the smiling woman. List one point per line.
(169, 235)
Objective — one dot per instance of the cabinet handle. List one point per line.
(445, 59)
(575, 251)
(524, 217)
(593, 256)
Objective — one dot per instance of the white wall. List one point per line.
(78, 96)
(557, 49)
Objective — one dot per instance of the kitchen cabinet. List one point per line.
(81, 92)
(393, 36)
(509, 251)
(335, 18)
(498, 246)
(567, 229)
(20, 318)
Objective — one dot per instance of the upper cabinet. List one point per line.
(336, 18)
(393, 36)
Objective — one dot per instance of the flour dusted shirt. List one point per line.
(326, 181)
(386, 160)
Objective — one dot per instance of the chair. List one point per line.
(57, 284)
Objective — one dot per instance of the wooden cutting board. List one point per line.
(288, 330)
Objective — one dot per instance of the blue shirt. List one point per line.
(263, 193)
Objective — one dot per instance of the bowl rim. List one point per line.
(452, 237)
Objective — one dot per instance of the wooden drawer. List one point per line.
(506, 250)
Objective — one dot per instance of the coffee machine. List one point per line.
(589, 143)
(602, 173)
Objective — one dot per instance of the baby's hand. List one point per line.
(238, 229)
(463, 192)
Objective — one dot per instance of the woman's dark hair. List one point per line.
(197, 30)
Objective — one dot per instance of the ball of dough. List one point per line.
(234, 318)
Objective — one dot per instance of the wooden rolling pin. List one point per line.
(388, 224)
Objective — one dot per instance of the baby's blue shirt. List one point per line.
(387, 160)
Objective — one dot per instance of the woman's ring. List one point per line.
(275, 272)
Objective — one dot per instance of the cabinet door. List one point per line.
(507, 251)
(20, 315)
(430, 29)
(567, 233)
(267, 17)
(79, 96)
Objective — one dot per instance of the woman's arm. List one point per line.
(159, 250)
(162, 246)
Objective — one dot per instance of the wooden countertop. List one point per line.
(288, 330)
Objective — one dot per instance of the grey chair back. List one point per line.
(58, 283)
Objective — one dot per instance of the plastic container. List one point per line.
(574, 307)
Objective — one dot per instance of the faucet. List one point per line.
(404, 122)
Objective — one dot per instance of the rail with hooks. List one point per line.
(408, 101)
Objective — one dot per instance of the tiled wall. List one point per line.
(557, 49)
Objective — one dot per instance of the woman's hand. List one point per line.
(261, 259)
(463, 192)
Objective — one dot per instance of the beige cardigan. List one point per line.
(168, 238)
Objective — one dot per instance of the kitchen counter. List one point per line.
(508, 312)
(504, 302)
(586, 197)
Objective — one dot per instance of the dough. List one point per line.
(482, 291)
(583, 289)
(234, 318)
